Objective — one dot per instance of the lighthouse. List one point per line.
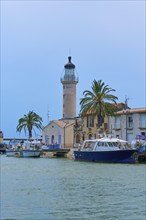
(69, 81)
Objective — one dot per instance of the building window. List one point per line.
(90, 136)
(143, 135)
(105, 126)
(117, 122)
(83, 137)
(46, 139)
(59, 139)
(90, 121)
(52, 139)
(142, 121)
(130, 122)
(77, 138)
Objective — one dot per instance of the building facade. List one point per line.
(58, 132)
(86, 127)
(127, 124)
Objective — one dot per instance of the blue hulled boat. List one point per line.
(109, 150)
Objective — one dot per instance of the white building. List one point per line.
(127, 124)
(58, 132)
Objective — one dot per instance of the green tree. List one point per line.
(28, 122)
(99, 101)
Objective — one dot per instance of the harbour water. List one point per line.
(63, 189)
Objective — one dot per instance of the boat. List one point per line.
(28, 149)
(23, 153)
(2, 144)
(32, 149)
(14, 149)
(106, 149)
(31, 153)
(13, 153)
(2, 148)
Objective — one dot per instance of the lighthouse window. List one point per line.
(68, 87)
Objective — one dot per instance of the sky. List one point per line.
(106, 40)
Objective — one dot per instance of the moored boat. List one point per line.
(2, 144)
(25, 149)
(107, 149)
(23, 153)
(13, 153)
(14, 149)
(32, 149)
(31, 153)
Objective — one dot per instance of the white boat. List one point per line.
(31, 153)
(27, 149)
(106, 149)
(13, 153)
(32, 149)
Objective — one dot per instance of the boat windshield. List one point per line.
(107, 144)
(115, 144)
(89, 145)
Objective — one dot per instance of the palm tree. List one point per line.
(28, 122)
(99, 101)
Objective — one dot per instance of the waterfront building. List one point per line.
(89, 124)
(89, 127)
(127, 124)
(58, 132)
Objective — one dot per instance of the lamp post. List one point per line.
(126, 111)
(126, 123)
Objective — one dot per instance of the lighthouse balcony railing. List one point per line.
(69, 78)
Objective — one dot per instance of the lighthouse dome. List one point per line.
(69, 65)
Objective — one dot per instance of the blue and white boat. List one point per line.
(23, 153)
(14, 149)
(107, 149)
(28, 149)
(32, 149)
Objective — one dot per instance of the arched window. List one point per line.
(52, 139)
(90, 136)
(83, 137)
(77, 138)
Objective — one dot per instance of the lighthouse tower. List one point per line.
(69, 81)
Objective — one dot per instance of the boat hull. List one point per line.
(13, 153)
(2, 148)
(31, 153)
(119, 156)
